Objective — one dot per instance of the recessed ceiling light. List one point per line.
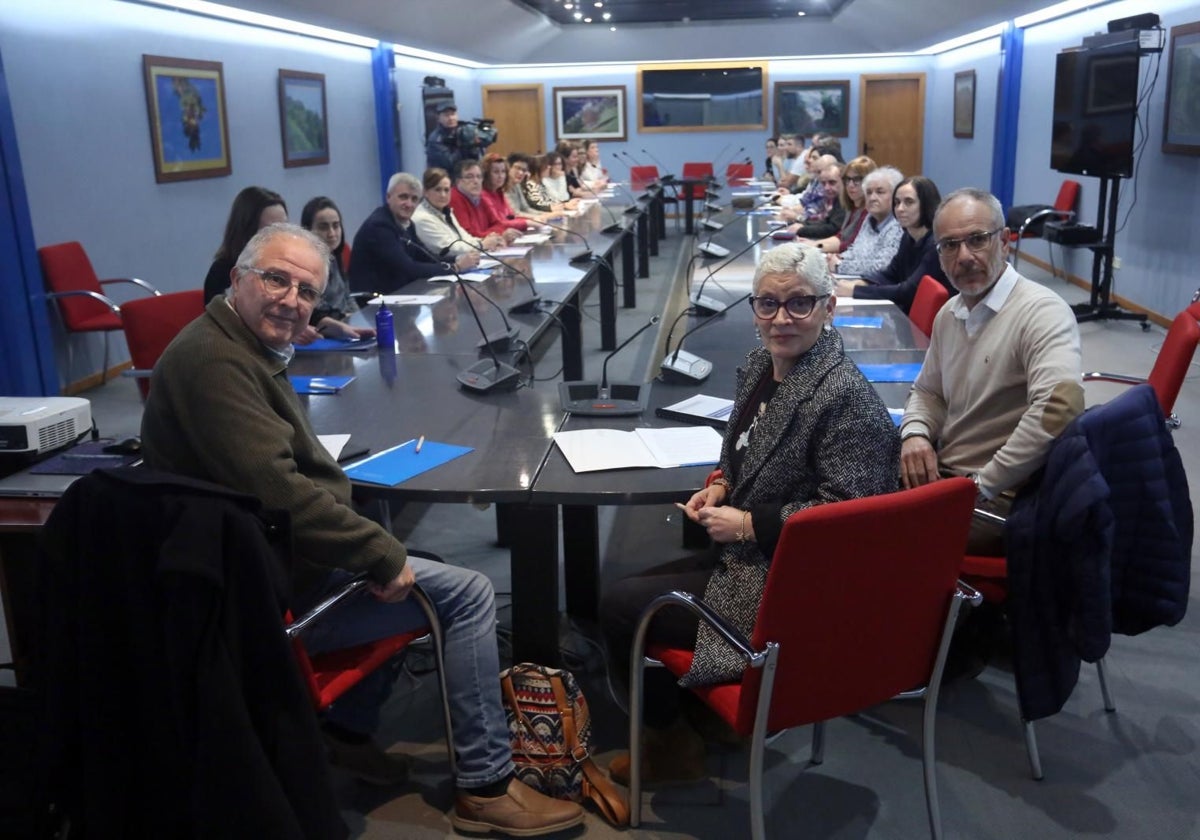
(607, 15)
(598, 4)
(587, 20)
(612, 29)
(801, 14)
(578, 15)
(568, 6)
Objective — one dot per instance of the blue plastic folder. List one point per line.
(906, 372)
(325, 345)
(319, 384)
(846, 321)
(400, 463)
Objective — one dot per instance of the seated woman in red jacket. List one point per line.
(495, 192)
(466, 200)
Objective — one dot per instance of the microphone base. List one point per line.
(683, 366)
(615, 227)
(633, 209)
(712, 208)
(704, 305)
(499, 340)
(526, 306)
(709, 224)
(711, 249)
(581, 259)
(588, 399)
(487, 375)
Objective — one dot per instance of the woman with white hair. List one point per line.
(879, 237)
(806, 429)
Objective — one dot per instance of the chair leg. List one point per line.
(435, 628)
(1109, 706)
(758, 744)
(818, 744)
(1173, 422)
(104, 368)
(1031, 747)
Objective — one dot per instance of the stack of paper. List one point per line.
(713, 411)
(469, 276)
(589, 450)
(405, 300)
(510, 251)
(531, 239)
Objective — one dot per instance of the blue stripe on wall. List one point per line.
(1008, 101)
(383, 59)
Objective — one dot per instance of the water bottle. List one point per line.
(385, 329)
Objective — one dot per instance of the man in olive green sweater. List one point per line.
(221, 409)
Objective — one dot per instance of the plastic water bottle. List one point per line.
(385, 329)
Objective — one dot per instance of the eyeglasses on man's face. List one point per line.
(278, 285)
(975, 243)
(799, 306)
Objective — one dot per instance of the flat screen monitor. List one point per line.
(1095, 111)
(702, 97)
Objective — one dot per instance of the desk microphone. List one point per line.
(682, 366)
(615, 226)
(598, 399)
(490, 374)
(521, 307)
(632, 209)
(665, 178)
(732, 157)
(496, 340)
(710, 306)
(583, 257)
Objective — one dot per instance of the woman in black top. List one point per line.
(253, 208)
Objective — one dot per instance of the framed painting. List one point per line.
(303, 121)
(964, 104)
(589, 113)
(1181, 120)
(189, 132)
(811, 107)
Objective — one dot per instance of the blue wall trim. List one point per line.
(1008, 101)
(26, 346)
(383, 60)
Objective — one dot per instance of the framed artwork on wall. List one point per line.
(303, 120)
(589, 113)
(1181, 120)
(189, 132)
(964, 104)
(702, 96)
(810, 107)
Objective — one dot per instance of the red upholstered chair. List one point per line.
(641, 177)
(1171, 366)
(1194, 309)
(151, 324)
(930, 297)
(890, 597)
(345, 261)
(1035, 216)
(79, 294)
(697, 171)
(330, 675)
(739, 172)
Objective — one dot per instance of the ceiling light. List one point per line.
(587, 20)
(568, 6)
(607, 15)
(801, 14)
(612, 29)
(598, 4)
(578, 15)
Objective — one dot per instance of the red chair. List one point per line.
(696, 171)
(330, 675)
(892, 596)
(1171, 366)
(929, 299)
(151, 324)
(641, 177)
(739, 172)
(74, 286)
(345, 261)
(1035, 215)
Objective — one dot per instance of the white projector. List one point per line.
(40, 424)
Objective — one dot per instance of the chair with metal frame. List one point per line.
(82, 305)
(1036, 215)
(929, 299)
(893, 595)
(151, 324)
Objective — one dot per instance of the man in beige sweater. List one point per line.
(1002, 377)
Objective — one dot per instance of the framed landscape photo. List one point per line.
(303, 121)
(589, 113)
(1181, 120)
(810, 107)
(189, 131)
(964, 104)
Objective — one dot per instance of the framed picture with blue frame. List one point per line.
(189, 128)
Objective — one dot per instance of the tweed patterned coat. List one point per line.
(826, 436)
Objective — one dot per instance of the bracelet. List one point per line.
(741, 534)
(724, 482)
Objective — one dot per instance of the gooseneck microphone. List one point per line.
(665, 177)
(682, 366)
(521, 307)
(584, 256)
(498, 339)
(615, 225)
(724, 164)
(709, 306)
(599, 399)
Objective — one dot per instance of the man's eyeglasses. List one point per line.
(799, 307)
(976, 242)
(278, 285)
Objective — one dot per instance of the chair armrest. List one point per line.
(137, 373)
(1122, 378)
(969, 594)
(988, 516)
(298, 626)
(116, 310)
(1065, 215)
(135, 281)
(731, 635)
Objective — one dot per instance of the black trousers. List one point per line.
(622, 606)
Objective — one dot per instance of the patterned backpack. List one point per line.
(551, 731)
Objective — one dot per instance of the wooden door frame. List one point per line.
(538, 87)
(885, 77)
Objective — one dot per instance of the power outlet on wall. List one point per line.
(1116, 263)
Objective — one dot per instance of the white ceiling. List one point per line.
(502, 32)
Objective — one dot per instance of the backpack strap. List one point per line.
(595, 785)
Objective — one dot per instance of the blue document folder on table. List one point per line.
(904, 372)
(325, 345)
(319, 384)
(848, 321)
(400, 463)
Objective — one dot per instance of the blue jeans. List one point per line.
(466, 607)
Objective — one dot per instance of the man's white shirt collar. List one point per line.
(989, 306)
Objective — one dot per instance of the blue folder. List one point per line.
(872, 321)
(905, 372)
(400, 463)
(325, 345)
(319, 384)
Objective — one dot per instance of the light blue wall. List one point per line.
(955, 162)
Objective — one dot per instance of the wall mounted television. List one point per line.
(709, 96)
(1095, 111)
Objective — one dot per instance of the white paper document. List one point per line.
(590, 450)
(406, 300)
(486, 263)
(469, 276)
(334, 444)
(845, 302)
(510, 251)
(531, 239)
(701, 405)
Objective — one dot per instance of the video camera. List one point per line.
(480, 133)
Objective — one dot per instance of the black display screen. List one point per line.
(1095, 111)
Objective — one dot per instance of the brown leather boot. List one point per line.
(669, 756)
(520, 811)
